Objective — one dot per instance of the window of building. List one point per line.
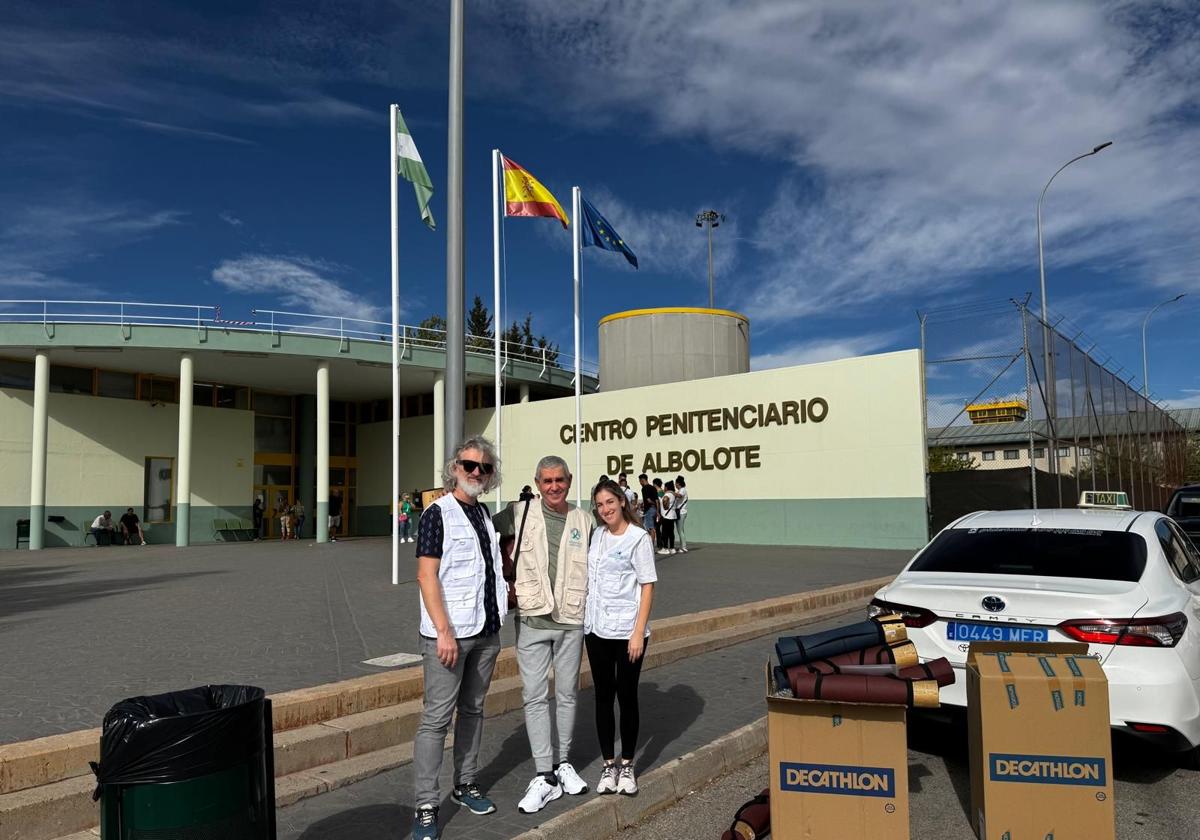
(272, 434)
(1084, 450)
(16, 374)
(158, 489)
(230, 396)
(989, 455)
(1064, 451)
(277, 405)
(1012, 454)
(1039, 452)
(963, 456)
(111, 383)
(280, 475)
(156, 388)
(70, 380)
(202, 393)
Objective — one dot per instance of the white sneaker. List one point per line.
(608, 780)
(663, 551)
(538, 794)
(569, 780)
(626, 783)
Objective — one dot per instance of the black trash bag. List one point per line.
(181, 735)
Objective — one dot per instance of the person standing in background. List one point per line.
(630, 494)
(667, 517)
(298, 517)
(681, 500)
(258, 517)
(660, 532)
(406, 517)
(649, 506)
(335, 514)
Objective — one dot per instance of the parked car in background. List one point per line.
(1184, 508)
(1125, 582)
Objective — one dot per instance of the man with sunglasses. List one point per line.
(551, 582)
(463, 601)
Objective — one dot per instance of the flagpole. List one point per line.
(499, 392)
(394, 172)
(576, 242)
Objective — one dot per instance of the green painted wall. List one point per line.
(839, 523)
(77, 521)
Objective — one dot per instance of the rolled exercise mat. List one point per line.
(854, 689)
(752, 820)
(783, 685)
(881, 630)
(902, 654)
(935, 669)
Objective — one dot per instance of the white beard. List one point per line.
(470, 488)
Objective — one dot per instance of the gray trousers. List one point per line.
(679, 537)
(462, 687)
(536, 650)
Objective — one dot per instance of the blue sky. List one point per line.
(871, 163)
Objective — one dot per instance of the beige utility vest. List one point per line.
(534, 595)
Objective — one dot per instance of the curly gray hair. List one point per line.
(450, 480)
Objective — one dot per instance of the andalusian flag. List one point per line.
(524, 195)
(412, 168)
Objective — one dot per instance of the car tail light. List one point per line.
(1165, 631)
(913, 616)
(1150, 728)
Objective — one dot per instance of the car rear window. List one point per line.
(1100, 555)
(1185, 506)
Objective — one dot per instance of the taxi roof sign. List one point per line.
(1112, 499)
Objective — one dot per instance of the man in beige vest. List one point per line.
(551, 585)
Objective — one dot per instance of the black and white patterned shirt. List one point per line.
(429, 544)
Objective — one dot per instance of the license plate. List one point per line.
(961, 631)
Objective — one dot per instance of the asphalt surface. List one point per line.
(82, 628)
(1155, 799)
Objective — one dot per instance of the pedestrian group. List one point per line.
(579, 582)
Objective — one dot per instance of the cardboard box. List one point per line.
(1040, 745)
(839, 771)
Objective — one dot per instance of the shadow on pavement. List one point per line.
(30, 589)
(375, 821)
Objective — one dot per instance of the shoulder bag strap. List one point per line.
(520, 533)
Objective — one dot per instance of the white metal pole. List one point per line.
(496, 328)
(439, 427)
(394, 506)
(323, 452)
(37, 478)
(577, 245)
(183, 469)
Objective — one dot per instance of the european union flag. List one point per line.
(596, 230)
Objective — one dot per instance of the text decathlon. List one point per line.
(835, 778)
(1048, 769)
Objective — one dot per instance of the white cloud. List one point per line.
(230, 219)
(920, 138)
(825, 350)
(297, 283)
(164, 128)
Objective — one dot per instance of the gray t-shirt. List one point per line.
(507, 523)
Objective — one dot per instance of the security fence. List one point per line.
(1006, 391)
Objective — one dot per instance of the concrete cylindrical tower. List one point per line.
(671, 344)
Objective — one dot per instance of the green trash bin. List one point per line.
(188, 765)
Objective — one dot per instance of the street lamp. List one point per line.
(712, 219)
(1049, 386)
(1145, 323)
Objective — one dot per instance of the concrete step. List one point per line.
(331, 735)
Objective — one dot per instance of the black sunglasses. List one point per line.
(470, 466)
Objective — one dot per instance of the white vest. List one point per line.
(461, 573)
(614, 594)
(564, 602)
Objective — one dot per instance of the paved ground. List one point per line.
(691, 703)
(83, 628)
(684, 705)
(1154, 799)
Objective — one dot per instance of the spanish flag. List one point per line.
(524, 195)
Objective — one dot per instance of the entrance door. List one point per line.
(277, 499)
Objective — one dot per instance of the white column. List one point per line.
(323, 452)
(439, 427)
(37, 474)
(183, 457)
(524, 393)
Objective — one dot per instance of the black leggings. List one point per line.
(614, 676)
(667, 526)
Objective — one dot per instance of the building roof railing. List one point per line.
(272, 321)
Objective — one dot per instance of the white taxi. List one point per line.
(1125, 582)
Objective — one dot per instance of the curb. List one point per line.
(661, 788)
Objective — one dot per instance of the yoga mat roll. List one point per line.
(935, 669)
(901, 655)
(752, 820)
(881, 630)
(857, 689)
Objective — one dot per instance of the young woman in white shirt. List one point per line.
(621, 580)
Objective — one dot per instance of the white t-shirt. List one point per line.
(101, 523)
(681, 505)
(632, 496)
(668, 506)
(617, 569)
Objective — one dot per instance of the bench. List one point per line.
(22, 532)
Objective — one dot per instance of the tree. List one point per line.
(432, 331)
(944, 459)
(479, 326)
(1192, 469)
